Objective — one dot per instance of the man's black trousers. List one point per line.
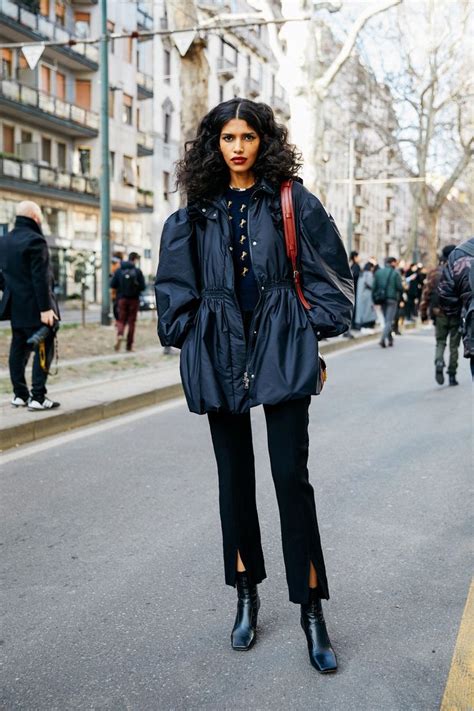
(288, 444)
(19, 355)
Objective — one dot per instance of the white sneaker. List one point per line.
(18, 402)
(47, 404)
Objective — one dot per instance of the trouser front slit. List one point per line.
(288, 444)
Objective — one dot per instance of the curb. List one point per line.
(37, 429)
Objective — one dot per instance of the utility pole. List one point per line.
(104, 172)
(350, 195)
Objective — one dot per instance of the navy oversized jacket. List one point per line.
(198, 310)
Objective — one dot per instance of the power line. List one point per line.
(144, 34)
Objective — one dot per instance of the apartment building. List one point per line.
(49, 132)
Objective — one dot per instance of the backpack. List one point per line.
(129, 285)
(379, 295)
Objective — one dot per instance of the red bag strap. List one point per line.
(289, 226)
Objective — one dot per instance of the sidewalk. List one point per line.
(92, 401)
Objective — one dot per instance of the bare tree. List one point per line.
(309, 77)
(432, 88)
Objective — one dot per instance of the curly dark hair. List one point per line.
(203, 173)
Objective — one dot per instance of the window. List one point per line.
(45, 73)
(44, 8)
(221, 93)
(26, 137)
(111, 103)
(84, 160)
(62, 156)
(83, 93)
(127, 115)
(60, 13)
(8, 139)
(82, 24)
(61, 86)
(138, 119)
(166, 185)
(128, 49)
(112, 165)
(110, 31)
(46, 150)
(128, 173)
(7, 58)
(167, 65)
(166, 127)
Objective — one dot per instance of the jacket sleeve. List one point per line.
(177, 284)
(327, 280)
(448, 289)
(40, 273)
(114, 282)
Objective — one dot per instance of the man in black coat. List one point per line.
(29, 303)
(129, 282)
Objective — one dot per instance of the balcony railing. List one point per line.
(144, 198)
(225, 68)
(145, 143)
(253, 87)
(145, 85)
(280, 104)
(33, 98)
(47, 29)
(46, 176)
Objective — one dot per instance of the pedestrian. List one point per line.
(356, 271)
(445, 326)
(456, 289)
(365, 314)
(414, 281)
(227, 295)
(386, 291)
(117, 258)
(30, 305)
(129, 282)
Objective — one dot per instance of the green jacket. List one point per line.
(389, 280)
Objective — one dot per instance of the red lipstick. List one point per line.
(239, 160)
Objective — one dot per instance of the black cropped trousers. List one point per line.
(288, 446)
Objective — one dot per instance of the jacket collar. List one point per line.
(22, 221)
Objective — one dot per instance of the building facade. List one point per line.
(49, 133)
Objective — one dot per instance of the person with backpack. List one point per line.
(386, 292)
(456, 289)
(445, 326)
(129, 282)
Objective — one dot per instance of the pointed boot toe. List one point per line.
(321, 653)
(244, 632)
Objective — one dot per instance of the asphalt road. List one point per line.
(113, 592)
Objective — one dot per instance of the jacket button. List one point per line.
(255, 333)
(231, 248)
(214, 214)
(253, 375)
(263, 288)
(254, 243)
(203, 209)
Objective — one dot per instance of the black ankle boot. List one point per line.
(248, 605)
(452, 379)
(321, 654)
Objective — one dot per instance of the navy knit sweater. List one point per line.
(246, 287)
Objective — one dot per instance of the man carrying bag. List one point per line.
(29, 303)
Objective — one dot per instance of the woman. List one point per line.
(225, 296)
(365, 314)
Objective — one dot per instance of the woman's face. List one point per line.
(239, 145)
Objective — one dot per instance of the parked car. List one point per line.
(147, 299)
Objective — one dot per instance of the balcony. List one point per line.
(144, 200)
(19, 24)
(226, 69)
(281, 106)
(144, 19)
(253, 87)
(28, 177)
(25, 103)
(145, 144)
(144, 86)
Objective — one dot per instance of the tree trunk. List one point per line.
(430, 218)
